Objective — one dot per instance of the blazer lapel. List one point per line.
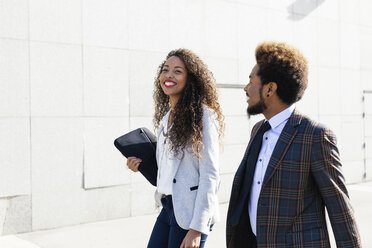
(285, 140)
(176, 164)
(163, 122)
(239, 175)
(254, 132)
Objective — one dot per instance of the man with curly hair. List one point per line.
(291, 169)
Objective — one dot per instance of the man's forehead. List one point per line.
(254, 71)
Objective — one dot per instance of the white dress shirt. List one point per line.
(269, 141)
(164, 160)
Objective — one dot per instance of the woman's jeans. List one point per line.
(167, 233)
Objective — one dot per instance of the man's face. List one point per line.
(253, 90)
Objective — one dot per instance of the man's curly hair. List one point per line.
(200, 89)
(286, 66)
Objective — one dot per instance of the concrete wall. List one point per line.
(74, 75)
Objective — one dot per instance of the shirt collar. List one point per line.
(279, 118)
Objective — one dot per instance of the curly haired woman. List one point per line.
(190, 124)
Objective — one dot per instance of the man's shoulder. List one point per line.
(309, 125)
(307, 121)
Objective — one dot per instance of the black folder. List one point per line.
(140, 143)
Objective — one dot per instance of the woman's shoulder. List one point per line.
(209, 115)
(208, 112)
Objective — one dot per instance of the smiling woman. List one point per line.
(186, 99)
(173, 78)
(190, 123)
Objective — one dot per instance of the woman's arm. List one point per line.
(206, 200)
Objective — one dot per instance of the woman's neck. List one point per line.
(173, 101)
(170, 119)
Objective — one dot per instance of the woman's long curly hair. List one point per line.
(200, 89)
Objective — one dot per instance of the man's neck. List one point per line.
(274, 109)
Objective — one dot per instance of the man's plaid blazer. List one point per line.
(302, 178)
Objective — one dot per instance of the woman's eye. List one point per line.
(163, 70)
(177, 71)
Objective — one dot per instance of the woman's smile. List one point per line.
(169, 83)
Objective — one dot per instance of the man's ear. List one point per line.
(271, 88)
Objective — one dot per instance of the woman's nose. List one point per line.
(169, 74)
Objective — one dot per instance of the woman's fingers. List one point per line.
(191, 240)
(135, 167)
(183, 244)
(133, 163)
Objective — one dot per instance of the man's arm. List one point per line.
(326, 170)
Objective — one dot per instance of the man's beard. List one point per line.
(258, 108)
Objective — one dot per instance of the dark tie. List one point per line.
(254, 151)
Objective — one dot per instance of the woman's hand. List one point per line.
(192, 239)
(133, 163)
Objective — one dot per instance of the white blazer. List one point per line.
(196, 181)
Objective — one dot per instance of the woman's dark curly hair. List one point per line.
(286, 66)
(200, 89)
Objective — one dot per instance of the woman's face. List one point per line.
(173, 77)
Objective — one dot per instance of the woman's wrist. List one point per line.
(194, 231)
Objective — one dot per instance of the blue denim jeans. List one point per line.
(166, 232)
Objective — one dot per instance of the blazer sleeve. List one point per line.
(206, 199)
(326, 171)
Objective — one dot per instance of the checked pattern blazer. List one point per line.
(303, 178)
